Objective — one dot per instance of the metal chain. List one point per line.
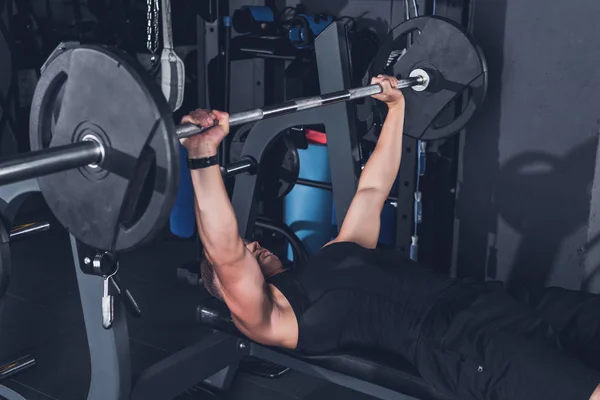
(152, 29)
(156, 26)
(149, 25)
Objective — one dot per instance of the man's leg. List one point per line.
(497, 349)
(575, 316)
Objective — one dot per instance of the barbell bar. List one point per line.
(419, 79)
(90, 151)
(34, 164)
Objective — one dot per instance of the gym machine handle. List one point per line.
(292, 106)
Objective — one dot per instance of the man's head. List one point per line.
(269, 264)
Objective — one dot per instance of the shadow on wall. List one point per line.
(546, 199)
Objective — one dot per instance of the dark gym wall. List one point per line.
(528, 198)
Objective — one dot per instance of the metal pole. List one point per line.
(224, 156)
(24, 231)
(45, 162)
(187, 130)
(239, 167)
(16, 366)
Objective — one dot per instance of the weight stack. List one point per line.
(8, 143)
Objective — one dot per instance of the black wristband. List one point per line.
(199, 163)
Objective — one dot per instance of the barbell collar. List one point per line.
(289, 107)
(48, 161)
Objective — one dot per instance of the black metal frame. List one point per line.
(11, 200)
(440, 183)
(333, 62)
(406, 195)
(217, 354)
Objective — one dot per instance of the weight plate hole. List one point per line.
(49, 119)
(140, 190)
(449, 112)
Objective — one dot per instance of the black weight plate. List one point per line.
(96, 91)
(456, 65)
(289, 169)
(4, 257)
(280, 169)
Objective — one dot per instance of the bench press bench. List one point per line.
(374, 373)
(379, 375)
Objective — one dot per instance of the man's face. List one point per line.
(268, 261)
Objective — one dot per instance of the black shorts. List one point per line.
(489, 346)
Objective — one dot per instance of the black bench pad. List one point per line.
(383, 369)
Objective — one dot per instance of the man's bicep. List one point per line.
(362, 222)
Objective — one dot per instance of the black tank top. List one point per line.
(348, 296)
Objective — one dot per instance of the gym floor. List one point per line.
(42, 316)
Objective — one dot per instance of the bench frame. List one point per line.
(213, 359)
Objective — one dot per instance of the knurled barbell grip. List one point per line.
(236, 119)
(34, 164)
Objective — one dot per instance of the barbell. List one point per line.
(91, 149)
(419, 80)
(105, 148)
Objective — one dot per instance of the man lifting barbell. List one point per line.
(111, 182)
(468, 339)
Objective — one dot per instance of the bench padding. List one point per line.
(380, 368)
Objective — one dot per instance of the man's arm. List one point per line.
(241, 281)
(362, 222)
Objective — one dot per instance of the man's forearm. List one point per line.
(217, 223)
(382, 168)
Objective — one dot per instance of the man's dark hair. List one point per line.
(207, 273)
